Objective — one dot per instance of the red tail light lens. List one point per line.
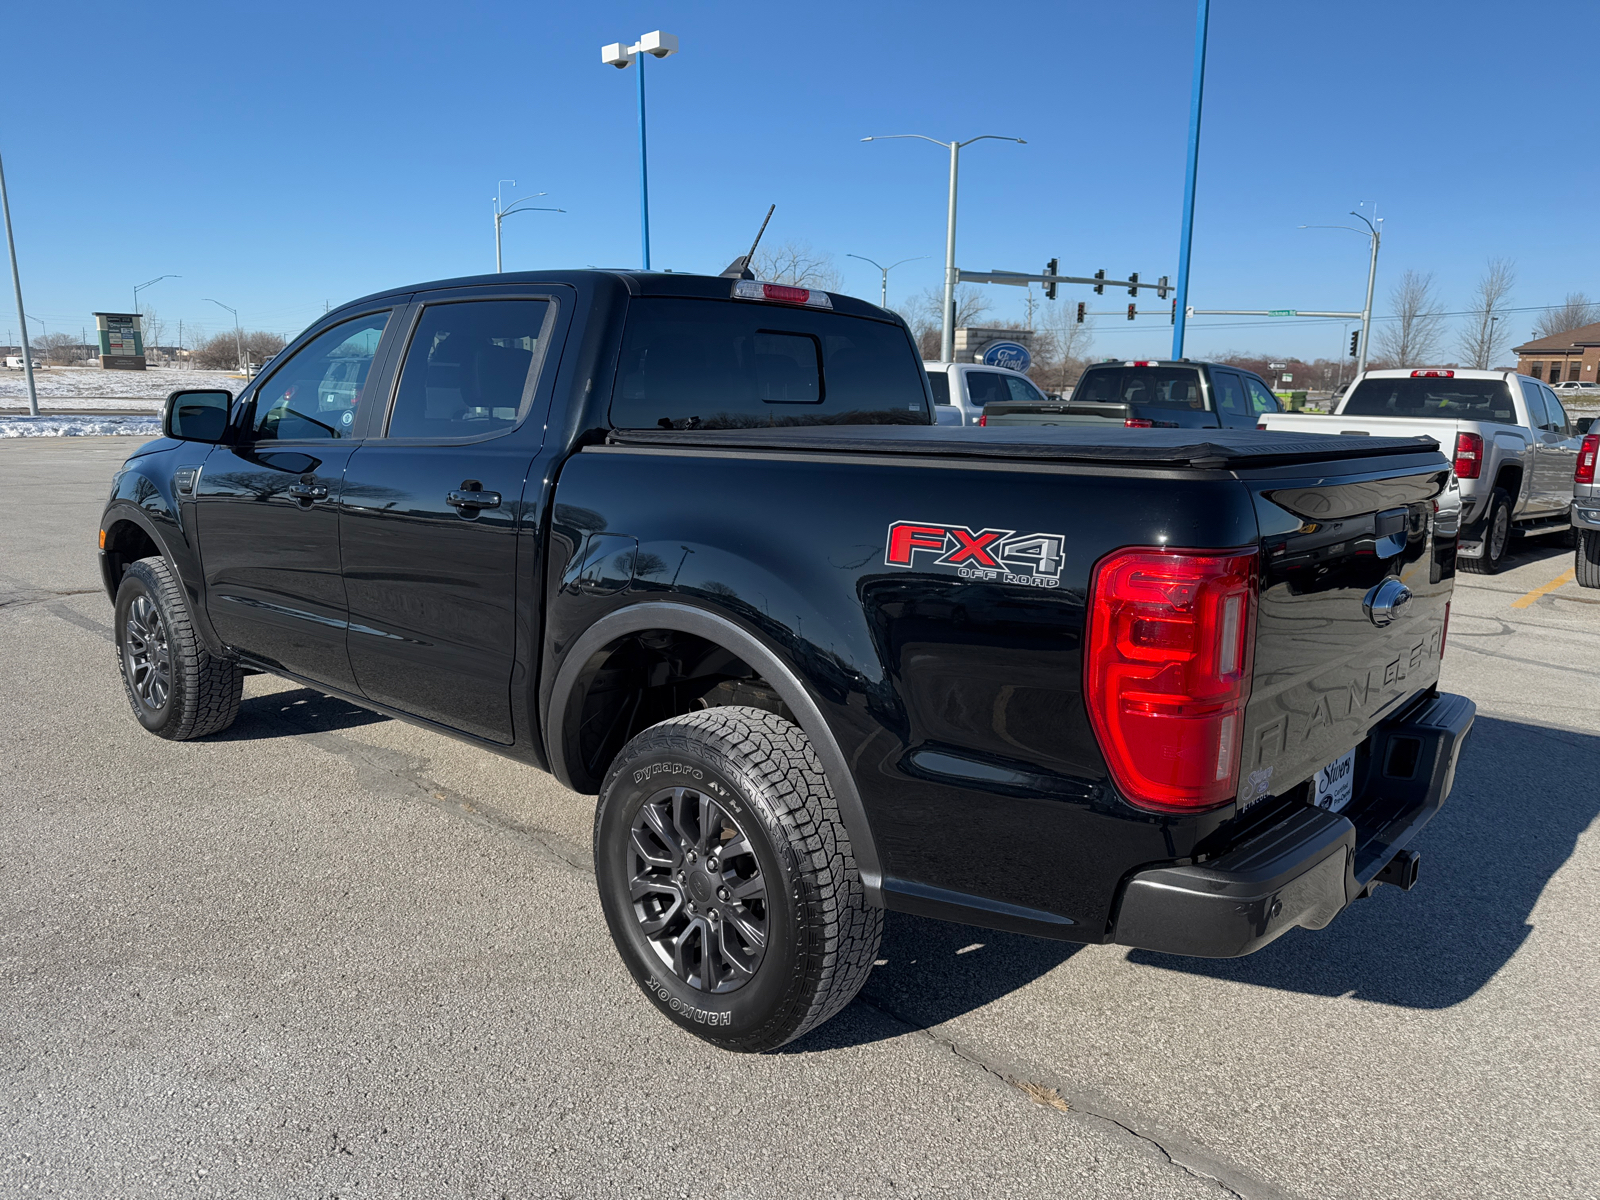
(1587, 453)
(1469, 455)
(1137, 423)
(1167, 672)
(984, 419)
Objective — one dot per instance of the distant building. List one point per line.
(1566, 356)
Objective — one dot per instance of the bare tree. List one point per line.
(924, 312)
(57, 349)
(1062, 348)
(220, 351)
(1576, 311)
(1412, 337)
(1485, 333)
(798, 265)
(152, 329)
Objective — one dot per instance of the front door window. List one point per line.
(317, 391)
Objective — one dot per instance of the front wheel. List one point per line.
(1588, 558)
(177, 688)
(1496, 536)
(728, 880)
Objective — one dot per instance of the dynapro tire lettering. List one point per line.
(998, 555)
(667, 768)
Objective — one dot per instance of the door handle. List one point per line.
(308, 491)
(473, 500)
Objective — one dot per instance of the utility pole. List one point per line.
(1186, 237)
(16, 283)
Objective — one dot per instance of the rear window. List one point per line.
(1148, 387)
(1447, 399)
(723, 364)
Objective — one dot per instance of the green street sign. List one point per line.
(1283, 312)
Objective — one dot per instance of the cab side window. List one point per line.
(1534, 395)
(1556, 420)
(1231, 401)
(1021, 389)
(986, 387)
(315, 394)
(470, 370)
(1261, 400)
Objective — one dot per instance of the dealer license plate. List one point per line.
(1336, 783)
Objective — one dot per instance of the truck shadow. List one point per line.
(1545, 548)
(1523, 794)
(298, 711)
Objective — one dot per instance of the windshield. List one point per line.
(1157, 387)
(728, 364)
(1444, 399)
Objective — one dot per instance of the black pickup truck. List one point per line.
(694, 545)
(1150, 394)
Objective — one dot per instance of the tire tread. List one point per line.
(207, 689)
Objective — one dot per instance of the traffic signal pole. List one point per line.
(1186, 238)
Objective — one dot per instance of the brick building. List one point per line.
(1566, 356)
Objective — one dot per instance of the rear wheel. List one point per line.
(1588, 558)
(1496, 536)
(177, 688)
(728, 880)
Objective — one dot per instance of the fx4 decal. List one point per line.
(999, 555)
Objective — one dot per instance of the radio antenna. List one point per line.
(739, 268)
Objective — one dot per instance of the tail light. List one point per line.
(1469, 455)
(1260, 425)
(1167, 673)
(1587, 453)
(1137, 423)
(983, 419)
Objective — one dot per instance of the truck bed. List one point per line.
(1217, 449)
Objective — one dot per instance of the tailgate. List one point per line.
(1326, 668)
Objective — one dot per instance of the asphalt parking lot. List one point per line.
(327, 954)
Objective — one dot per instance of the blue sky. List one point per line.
(281, 156)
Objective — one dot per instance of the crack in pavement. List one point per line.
(1175, 1149)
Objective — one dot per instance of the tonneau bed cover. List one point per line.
(1218, 449)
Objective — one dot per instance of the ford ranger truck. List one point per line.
(694, 546)
(1512, 445)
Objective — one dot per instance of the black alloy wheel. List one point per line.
(146, 658)
(178, 689)
(698, 891)
(728, 880)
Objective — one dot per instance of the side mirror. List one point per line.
(197, 416)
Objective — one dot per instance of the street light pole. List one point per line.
(885, 301)
(238, 339)
(139, 287)
(617, 55)
(16, 283)
(947, 339)
(1372, 279)
(1186, 235)
(500, 214)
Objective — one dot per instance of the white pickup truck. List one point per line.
(1513, 444)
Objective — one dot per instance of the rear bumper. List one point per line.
(1586, 514)
(1304, 870)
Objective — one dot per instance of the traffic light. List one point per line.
(1050, 269)
(1161, 287)
(1174, 320)
(1133, 279)
(1355, 340)
(1100, 288)
(1131, 308)
(1080, 312)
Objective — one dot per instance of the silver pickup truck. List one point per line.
(1513, 445)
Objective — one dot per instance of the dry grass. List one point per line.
(1041, 1095)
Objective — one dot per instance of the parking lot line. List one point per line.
(1560, 580)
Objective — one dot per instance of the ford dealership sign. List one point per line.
(1007, 354)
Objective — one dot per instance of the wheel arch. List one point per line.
(1510, 477)
(127, 537)
(591, 651)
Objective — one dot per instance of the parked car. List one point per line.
(1151, 393)
(1576, 389)
(694, 545)
(969, 388)
(1512, 443)
(1586, 512)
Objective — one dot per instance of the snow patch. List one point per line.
(139, 426)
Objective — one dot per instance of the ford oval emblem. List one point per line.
(1013, 355)
(1386, 602)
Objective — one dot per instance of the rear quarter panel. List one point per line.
(956, 699)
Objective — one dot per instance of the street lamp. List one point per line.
(139, 287)
(617, 55)
(1375, 235)
(238, 339)
(501, 214)
(947, 342)
(886, 270)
